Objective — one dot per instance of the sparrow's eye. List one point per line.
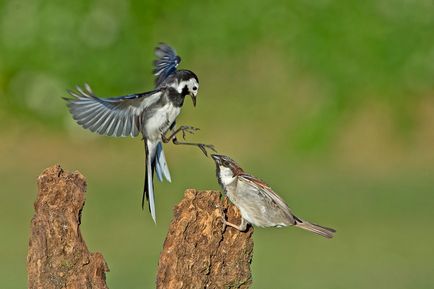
(226, 163)
(195, 88)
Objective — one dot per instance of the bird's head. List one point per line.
(226, 168)
(188, 84)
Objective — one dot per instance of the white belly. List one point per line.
(160, 122)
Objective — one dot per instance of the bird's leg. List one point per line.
(202, 146)
(184, 129)
(241, 227)
(188, 129)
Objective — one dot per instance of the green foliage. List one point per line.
(353, 51)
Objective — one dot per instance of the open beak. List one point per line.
(216, 158)
(193, 98)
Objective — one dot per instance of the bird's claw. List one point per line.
(203, 148)
(188, 129)
(224, 223)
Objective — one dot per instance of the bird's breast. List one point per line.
(160, 121)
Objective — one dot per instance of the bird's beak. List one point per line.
(193, 98)
(215, 158)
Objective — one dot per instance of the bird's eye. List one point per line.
(194, 87)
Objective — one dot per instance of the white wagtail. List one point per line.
(259, 205)
(152, 114)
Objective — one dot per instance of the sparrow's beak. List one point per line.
(215, 158)
(193, 98)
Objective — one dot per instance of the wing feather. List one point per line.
(267, 193)
(102, 117)
(116, 116)
(127, 127)
(165, 64)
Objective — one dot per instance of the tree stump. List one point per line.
(199, 252)
(57, 256)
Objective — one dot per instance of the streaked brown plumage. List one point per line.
(258, 203)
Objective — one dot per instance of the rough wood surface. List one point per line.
(57, 256)
(198, 252)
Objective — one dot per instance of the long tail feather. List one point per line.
(317, 229)
(158, 171)
(148, 190)
(151, 199)
(145, 187)
(161, 167)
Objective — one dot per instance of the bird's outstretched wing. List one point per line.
(166, 62)
(266, 193)
(117, 116)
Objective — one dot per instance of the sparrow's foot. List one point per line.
(222, 216)
(242, 227)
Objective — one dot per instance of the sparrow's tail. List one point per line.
(148, 190)
(161, 167)
(317, 229)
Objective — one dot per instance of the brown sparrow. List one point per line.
(258, 203)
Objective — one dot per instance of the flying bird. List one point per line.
(151, 114)
(259, 205)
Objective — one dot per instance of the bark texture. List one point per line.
(199, 252)
(57, 256)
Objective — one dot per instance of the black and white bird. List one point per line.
(259, 205)
(152, 114)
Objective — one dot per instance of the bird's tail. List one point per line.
(148, 190)
(317, 229)
(161, 167)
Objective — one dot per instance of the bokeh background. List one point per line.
(331, 102)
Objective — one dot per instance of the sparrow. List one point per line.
(151, 114)
(259, 205)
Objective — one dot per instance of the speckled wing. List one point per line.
(165, 64)
(117, 116)
(266, 193)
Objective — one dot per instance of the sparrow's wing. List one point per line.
(117, 116)
(266, 193)
(166, 62)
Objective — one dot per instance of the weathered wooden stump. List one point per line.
(198, 252)
(57, 256)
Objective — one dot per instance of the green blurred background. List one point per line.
(330, 102)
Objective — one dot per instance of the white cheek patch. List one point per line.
(178, 86)
(226, 176)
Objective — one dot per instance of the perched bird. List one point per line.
(259, 205)
(151, 114)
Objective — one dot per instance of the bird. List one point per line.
(258, 204)
(151, 114)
